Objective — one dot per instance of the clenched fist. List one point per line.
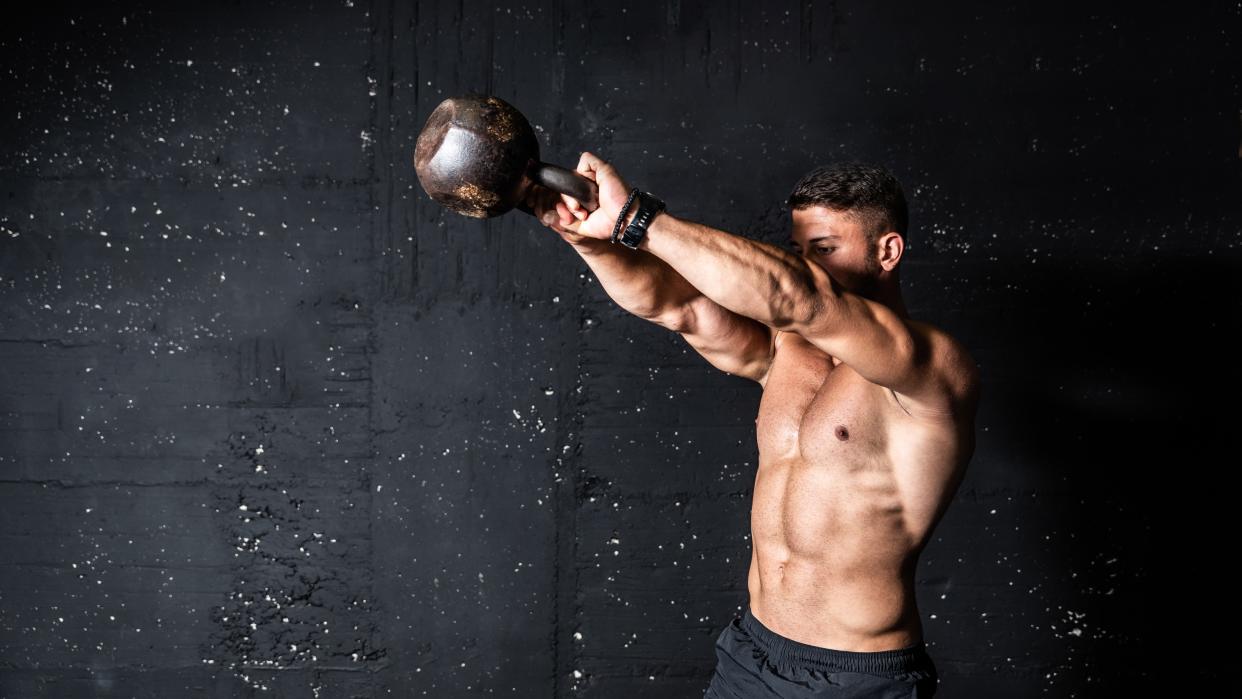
(552, 211)
(565, 215)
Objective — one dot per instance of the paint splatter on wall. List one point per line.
(271, 420)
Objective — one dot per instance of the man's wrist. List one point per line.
(657, 221)
(649, 207)
(629, 216)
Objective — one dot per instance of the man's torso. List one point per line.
(848, 489)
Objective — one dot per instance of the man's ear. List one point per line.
(891, 249)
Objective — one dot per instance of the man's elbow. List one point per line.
(679, 319)
(804, 300)
(786, 313)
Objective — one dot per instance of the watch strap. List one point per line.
(648, 206)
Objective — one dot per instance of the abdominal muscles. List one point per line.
(832, 551)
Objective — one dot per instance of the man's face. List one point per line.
(837, 242)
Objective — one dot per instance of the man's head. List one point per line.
(850, 219)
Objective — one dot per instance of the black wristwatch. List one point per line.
(648, 206)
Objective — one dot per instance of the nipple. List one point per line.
(842, 433)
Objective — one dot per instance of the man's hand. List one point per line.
(547, 206)
(613, 192)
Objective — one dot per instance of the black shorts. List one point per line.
(754, 662)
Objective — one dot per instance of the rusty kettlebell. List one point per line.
(478, 156)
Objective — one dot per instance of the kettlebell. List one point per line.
(477, 155)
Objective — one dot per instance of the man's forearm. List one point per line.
(754, 279)
(637, 280)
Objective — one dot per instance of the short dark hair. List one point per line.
(869, 192)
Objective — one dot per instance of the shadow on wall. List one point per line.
(1116, 381)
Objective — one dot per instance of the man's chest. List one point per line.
(814, 411)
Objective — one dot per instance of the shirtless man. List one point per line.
(865, 425)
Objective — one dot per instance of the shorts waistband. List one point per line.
(831, 660)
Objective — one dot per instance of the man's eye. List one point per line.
(824, 251)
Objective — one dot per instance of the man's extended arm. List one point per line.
(641, 283)
(650, 288)
(775, 288)
(638, 281)
(784, 291)
(748, 277)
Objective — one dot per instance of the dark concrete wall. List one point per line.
(271, 420)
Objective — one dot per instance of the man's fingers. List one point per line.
(590, 161)
(589, 164)
(574, 206)
(547, 217)
(586, 171)
(567, 217)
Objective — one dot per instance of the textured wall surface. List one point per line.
(274, 424)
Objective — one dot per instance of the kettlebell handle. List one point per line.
(568, 182)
